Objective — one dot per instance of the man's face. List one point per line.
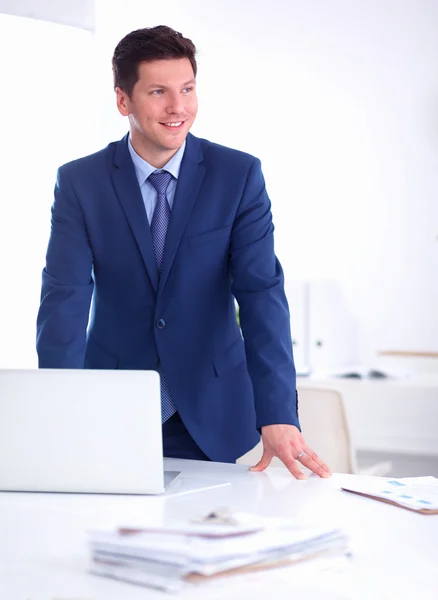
(162, 107)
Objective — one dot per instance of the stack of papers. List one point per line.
(179, 554)
(415, 493)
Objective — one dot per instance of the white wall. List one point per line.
(47, 117)
(79, 13)
(340, 101)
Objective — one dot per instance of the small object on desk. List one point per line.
(350, 375)
(221, 516)
(377, 374)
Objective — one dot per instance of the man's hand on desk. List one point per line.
(287, 443)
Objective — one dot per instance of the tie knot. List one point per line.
(160, 180)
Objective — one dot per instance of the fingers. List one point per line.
(292, 465)
(263, 463)
(290, 453)
(312, 461)
(288, 461)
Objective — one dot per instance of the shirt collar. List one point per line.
(143, 169)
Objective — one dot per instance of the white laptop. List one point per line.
(78, 430)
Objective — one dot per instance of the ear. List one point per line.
(123, 102)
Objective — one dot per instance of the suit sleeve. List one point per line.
(67, 284)
(258, 286)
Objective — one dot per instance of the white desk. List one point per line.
(43, 554)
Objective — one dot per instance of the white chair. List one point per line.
(325, 428)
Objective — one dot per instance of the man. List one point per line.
(164, 230)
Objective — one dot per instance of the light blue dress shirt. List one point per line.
(143, 169)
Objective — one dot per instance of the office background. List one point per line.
(339, 99)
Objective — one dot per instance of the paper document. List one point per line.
(416, 493)
(221, 543)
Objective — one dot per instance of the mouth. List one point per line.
(173, 125)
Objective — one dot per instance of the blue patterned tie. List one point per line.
(160, 221)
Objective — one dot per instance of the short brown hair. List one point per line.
(146, 45)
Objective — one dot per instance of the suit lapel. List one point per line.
(130, 198)
(190, 178)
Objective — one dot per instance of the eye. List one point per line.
(187, 90)
(156, 92)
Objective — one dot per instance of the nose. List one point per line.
(175, 105)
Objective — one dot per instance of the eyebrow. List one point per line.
(159, 85)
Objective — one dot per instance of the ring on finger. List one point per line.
(300, 455)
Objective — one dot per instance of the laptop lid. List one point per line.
(79, 430)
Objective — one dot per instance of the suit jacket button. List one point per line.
(161, 323)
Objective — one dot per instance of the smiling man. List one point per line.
(164, 231)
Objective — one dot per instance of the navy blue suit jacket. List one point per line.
(219, 246)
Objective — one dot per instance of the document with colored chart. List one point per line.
(415, 493)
